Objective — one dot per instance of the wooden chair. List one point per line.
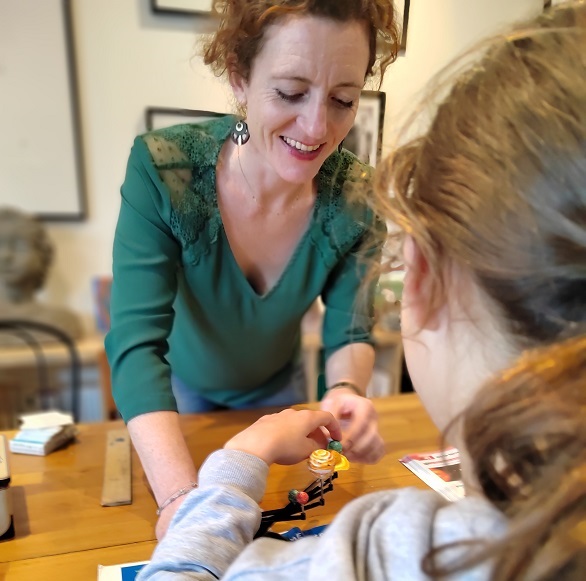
(109, 410)
(39, 389)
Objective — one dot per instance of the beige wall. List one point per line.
(129, 59)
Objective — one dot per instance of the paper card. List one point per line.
(45, 420)
(124, 572)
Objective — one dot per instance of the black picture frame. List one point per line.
(160, 117)
(182, 7)
(366, 136)
(404, 26)
(60, 193)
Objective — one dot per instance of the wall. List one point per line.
(130, 58)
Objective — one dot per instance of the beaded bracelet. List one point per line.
(176, 495)
(347, 385)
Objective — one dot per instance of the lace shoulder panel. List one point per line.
(185, 158)
(344, 186)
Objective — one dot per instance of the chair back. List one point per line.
(14, 400)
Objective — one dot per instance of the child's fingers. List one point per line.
(323, 419)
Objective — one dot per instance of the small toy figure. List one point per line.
(322, 463)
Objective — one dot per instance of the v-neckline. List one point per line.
(296, 250)
(288, 265)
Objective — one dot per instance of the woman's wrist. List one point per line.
(176, 495)
(346, 385)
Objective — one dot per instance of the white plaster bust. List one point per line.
(25, 257)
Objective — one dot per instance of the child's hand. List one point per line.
(287, 437)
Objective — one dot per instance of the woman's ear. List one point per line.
(419, 292)
(239, 87)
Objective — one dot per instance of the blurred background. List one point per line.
(76, 77)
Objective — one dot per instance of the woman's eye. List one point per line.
(344, 104)
(290, 97)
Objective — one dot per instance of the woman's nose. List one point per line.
(314, 121)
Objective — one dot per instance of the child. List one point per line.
(493, 203)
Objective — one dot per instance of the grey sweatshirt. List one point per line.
(380, 536)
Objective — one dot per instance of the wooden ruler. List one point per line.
(117, 487)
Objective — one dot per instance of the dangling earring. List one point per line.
(240, 134)
(340, 146)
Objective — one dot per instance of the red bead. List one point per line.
(302, 497)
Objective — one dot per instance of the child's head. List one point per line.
(493, 199)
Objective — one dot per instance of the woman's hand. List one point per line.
(361, 441)
(287, 437)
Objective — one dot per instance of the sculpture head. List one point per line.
(25, 255)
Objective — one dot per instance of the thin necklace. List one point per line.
(295, 200)
(244, 176)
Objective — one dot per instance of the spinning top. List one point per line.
(321, 463)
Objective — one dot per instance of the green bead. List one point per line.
(336, 446)
(293, 495)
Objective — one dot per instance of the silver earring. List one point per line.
(240, 133)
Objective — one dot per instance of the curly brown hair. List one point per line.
(240, 34)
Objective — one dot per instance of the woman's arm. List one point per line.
(146, 257)
(165, 459)
(353, 364)
(348, 298)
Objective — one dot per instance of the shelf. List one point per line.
(55, 354)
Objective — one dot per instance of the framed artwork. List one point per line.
(159, 117)
(549, 3)
(404, 6)
(41, 155)
(182, 6)
(365, 138)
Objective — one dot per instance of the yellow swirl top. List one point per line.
(321, 462)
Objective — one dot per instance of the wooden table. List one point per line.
(62, 532)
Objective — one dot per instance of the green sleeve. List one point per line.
(348, 296)
(145, 261)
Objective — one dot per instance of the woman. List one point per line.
(493, 201)
(229, 231)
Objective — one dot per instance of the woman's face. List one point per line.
(303, 91)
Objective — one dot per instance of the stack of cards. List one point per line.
(42, 433)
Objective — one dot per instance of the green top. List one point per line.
(179, 299)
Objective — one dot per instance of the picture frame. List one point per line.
(404, 6)
(366, 136)
(42, 171)
(191, 7)
(550, 3)
(160, 117)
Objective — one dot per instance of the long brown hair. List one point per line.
(497, 187)
(526, 432)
